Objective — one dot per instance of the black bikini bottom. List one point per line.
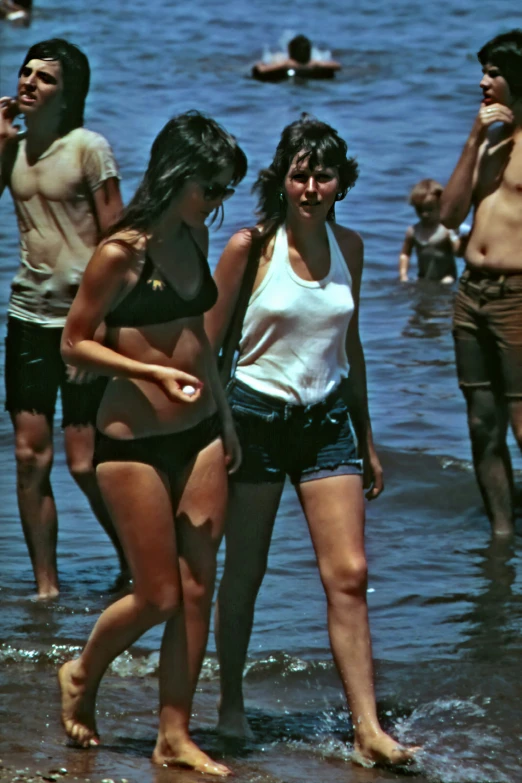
(168, 453)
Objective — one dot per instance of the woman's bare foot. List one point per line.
(234, 725)
(185, 753)
(77, 706)
(381, 749)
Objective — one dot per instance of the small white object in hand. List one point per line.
(189, 390)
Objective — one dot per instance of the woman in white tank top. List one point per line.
(300, 357)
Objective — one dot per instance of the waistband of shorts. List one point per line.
(287, 408)
(473, 274)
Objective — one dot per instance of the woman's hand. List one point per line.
(177, 385)
(231, 446)
(373, 477)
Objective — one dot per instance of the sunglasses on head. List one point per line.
(217, 192)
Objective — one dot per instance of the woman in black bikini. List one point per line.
(165, 434)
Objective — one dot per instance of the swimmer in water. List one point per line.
(435, 245)
(19, 13)
(298, 63)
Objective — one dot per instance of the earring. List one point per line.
(281, 198)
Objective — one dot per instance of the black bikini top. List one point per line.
(154, 301)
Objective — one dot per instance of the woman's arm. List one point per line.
(228, 277)
(230, 439)
(353, 250)
(104, 279)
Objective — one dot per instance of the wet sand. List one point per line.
(283, 751)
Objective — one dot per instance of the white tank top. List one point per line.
(293, 341)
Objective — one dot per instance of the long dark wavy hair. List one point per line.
(307, 138)
(190, 146)
(76, 76)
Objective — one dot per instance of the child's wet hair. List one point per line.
(425, 190)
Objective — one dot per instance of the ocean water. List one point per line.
(445, 603)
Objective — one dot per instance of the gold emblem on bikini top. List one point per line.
(156, 283)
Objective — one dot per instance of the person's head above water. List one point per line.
(425, 199)
(425, 190)
(300, 49)
(75, 73)
(190, 147)
(310, 140)
(505, 52)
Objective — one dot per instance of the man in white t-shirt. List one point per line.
(65, 187)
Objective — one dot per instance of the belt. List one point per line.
(476, 274)
(473, 274)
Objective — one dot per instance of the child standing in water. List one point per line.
(436, 246)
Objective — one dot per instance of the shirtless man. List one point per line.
(64, 184)
(488, 307)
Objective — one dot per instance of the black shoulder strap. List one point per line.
(235, 327)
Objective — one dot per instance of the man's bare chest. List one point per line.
(502, 170)
(57, 177)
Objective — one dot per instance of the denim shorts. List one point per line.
(487, 329)
(303, 442)
(35, 371)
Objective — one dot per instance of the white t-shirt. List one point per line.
(57, 223)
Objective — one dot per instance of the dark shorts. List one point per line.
(302, 442)
(487, 329)
(35, 370)
(169, 453)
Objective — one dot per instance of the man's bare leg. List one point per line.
(334, 509)
(34, 459)
(79, 449)
(488, 422)
(248, 530)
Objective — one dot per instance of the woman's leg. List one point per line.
(139, 501)
(200, 512)
(248, 530)
(334, 509)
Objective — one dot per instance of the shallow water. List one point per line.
(446, 606)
